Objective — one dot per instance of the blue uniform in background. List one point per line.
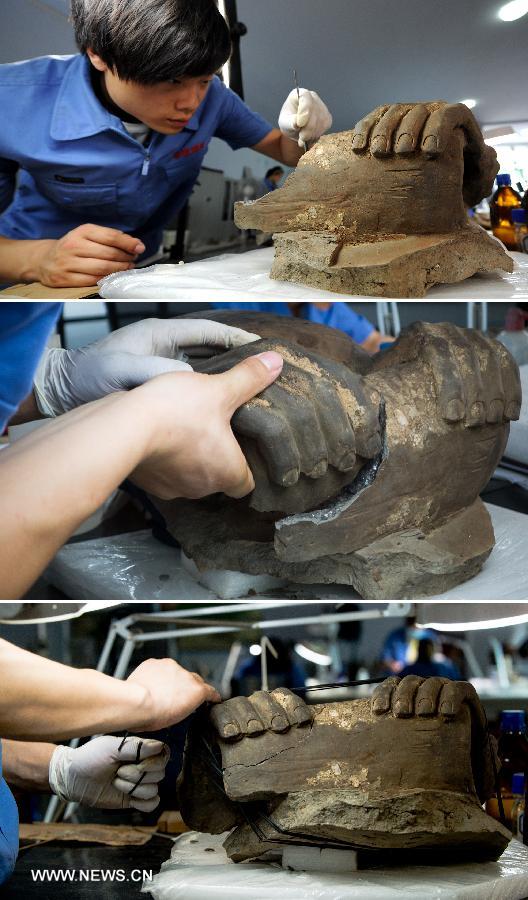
(338, 315)
(77, 163)
(8, 828)
(24, 332)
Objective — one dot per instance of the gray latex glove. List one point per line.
(128, 358)
(104, 772)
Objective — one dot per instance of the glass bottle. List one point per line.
(504, 200)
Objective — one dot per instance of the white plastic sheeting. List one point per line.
(517, 446)
(245, 276)
(200, 870)
(138, 567)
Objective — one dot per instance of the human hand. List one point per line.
(401, 129)
(318, 414)
(127, 358)
(104, 772)
(477, 380)
(172, 693)
(426, 697)
(193, 451)
(241, 717)
(83, 256)
(304, 117)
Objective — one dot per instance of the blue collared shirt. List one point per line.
(24, 332)
(337, 315)
(8, 828)
(76, 162)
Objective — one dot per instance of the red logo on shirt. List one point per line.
(188, 151)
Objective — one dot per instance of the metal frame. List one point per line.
(477, 314)
(127, 630)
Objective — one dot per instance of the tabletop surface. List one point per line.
(100, 861)
(245, 276)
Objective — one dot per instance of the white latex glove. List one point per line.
(100, 774)
(304, 119)
(126, 359)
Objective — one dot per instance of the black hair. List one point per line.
(274, 171)
(150, 41)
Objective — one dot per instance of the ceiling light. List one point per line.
(35, 613)
(513, 10)
(469, 616)
(469, 103)
(320, 659)
(255, 649)
(226, 68)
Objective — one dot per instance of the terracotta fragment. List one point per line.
(381, 210)
(386, 499)
(407, 769)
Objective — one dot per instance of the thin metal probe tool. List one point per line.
(296, 82)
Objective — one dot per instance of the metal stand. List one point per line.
(477, 315)
(192, 622)
(233, 80)
(388, 317)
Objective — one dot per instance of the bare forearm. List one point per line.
(26, 765)
(42, 700)
(277, 146)
(290, 152)
(54, 478)
(28, 411)
(19, 260)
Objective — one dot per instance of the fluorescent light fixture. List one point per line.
(320, 659)
(470, 103)
(34, 613)
(226, 68)
(513, 10)
(470, 616)
(497, 131)
(255, 649)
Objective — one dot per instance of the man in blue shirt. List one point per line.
(334, 314)
(99, 151)
(272, 179)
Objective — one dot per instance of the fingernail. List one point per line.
(454, 411)
(425, 707)
(379, 145)
(253, 726)
(357, 142)
(230, 730)
(496, 410)
(279, 723)
(378, 706)
(348, 461)
(139, 248)
(477, 411)
(513, 411)
(271, 360)
(290, 478)
(447, 709)
(405, 144)
(319, 469)
(401, 709)
(373, 445)
(430, 144)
